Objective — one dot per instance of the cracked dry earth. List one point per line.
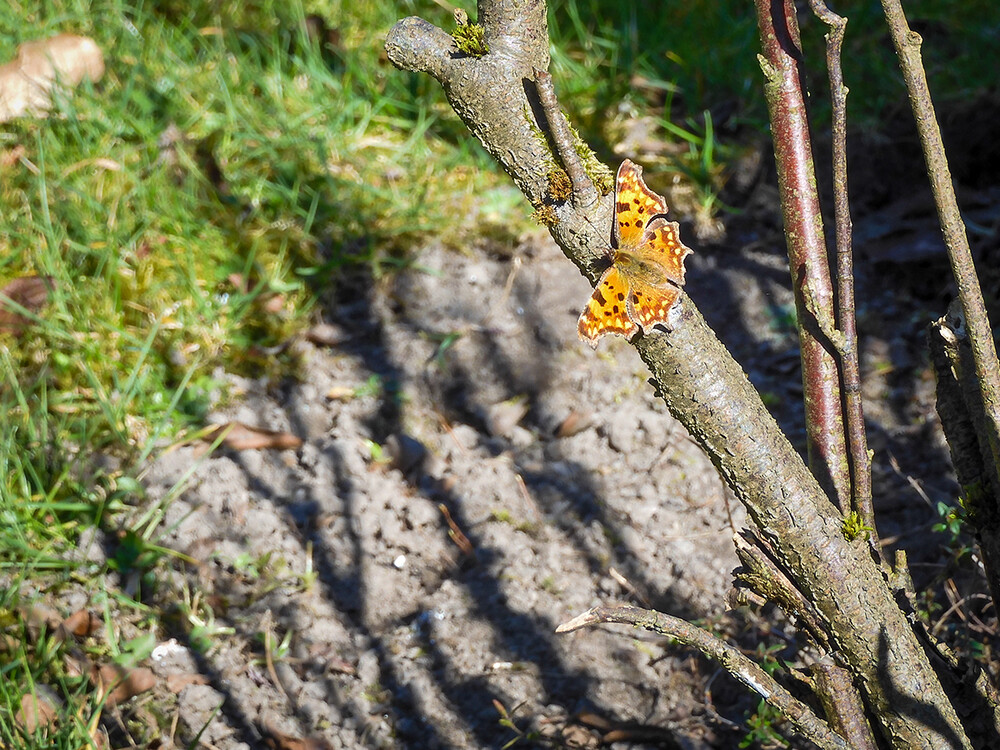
(571, 482)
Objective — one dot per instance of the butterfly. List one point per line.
(647, 264)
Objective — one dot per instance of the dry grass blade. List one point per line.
(240, 437)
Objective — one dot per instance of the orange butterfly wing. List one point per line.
(607, 310)
(648, 267)
(635, 205)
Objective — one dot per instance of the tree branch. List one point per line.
(728, 657)
(977, 324)
(702, 385)
(843, 706)
(562, 138)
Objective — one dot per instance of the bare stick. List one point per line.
(843, 706)
(984, 352)
(729, 657)
(584, 192)
(854, 415)
(781, 61)
(764, 576)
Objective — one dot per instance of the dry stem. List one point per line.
(729, 657)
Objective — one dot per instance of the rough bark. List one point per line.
(960, 407)
(704, 388)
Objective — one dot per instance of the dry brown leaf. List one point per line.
(575, 422)
(502, 418)
(241, 437)
(31, 293)
(324, 334)
(26, 82)
(35, 712)
(82, 623)
(123, 684)
(281, 741)
(39, 616)
(239, 282)
(11, 156)
(177, 682)
(275, 304)
(340, 393)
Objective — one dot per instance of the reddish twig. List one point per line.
(807, 258)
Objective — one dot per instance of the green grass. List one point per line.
(227, 170)
(223, 164)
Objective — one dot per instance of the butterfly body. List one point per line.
(647, 266)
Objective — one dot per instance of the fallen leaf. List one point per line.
(502, 418)
(121, 683)
(82, 623)
(26, 82)
(575, 422)
(239, 282)
(38, 616)
(324, 334)
(177, 682)
(11, 156)
(240, 437)
(35, 712)
(340, 393)
(341, 666)
(275, 304)
(281, 741)
(29, 292)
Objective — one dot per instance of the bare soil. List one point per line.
(348, 611)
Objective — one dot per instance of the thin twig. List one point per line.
(584, 192)
(764, 576)
(984, 352)
(854, 415)
(729, 657)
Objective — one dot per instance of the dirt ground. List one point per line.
(346, 609)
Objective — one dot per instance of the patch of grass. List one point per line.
(691, 68)
(191, 204)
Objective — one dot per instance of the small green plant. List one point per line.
(502, 515)
(761, 725)
(444, 342)
(952, 520)
(767, 657)
(853, 527)
(507, 721)
(376, 453)
(203, 631)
